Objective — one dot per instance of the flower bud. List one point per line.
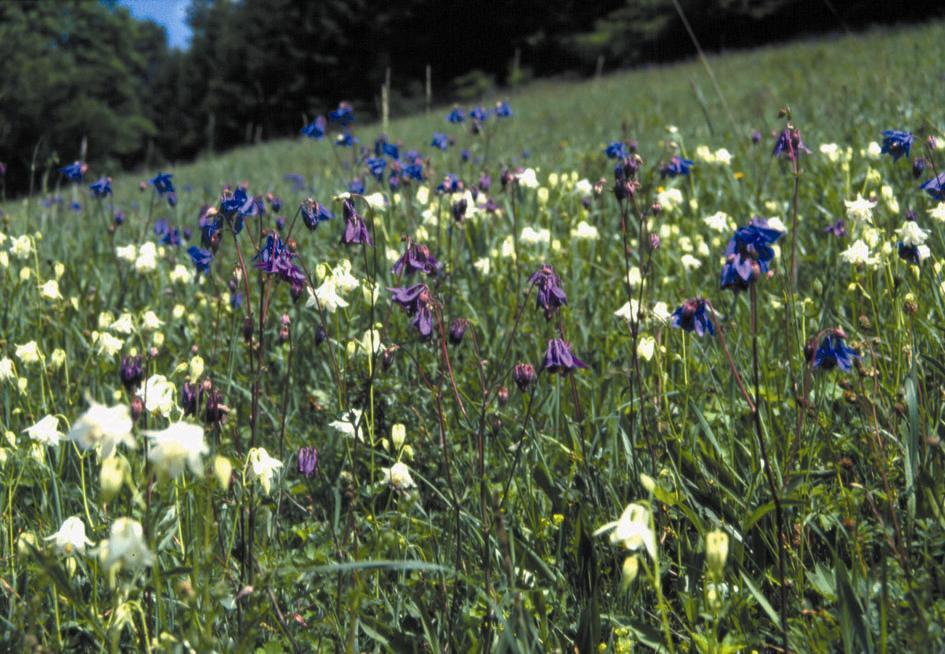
(222, 470)
(631, 566)
(137, 408)
(716, 552)
(458, 330)
(503, 396)
(387, 358)
(112, 476)
(320, 335)
(248, 329)
(398, 435)
(524, 375)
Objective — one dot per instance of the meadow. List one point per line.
(651, 362)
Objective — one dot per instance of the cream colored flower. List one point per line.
(398, 476)
(911, 234)
(670, 199)
(70, 539)
(938, 212)
(127, 252)
(350, 424)
(108, 344)
(29, 353)
(103, 428)
(719, 221)
(150, 322)
(46, 431)
(125, 546)
(584, 188)
(6, 369)
(21, 247)
(585, 231)
(646, 347)
(262, 467)
(632, 530)
(158, 395)
(146, 260)
(178, 446)
(50, 290)
(860, 209)
(831, 151)
(531, 236)
(689, 262)
(123, 325)
(858, 254)
(629, 311)
(181, 274)
(527, 178)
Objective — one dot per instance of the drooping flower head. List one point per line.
(308, 461)
(376, 166)
(616, 150)
(315, 129)
(416, 258)
(550, 295)
(935, 187)
(693, 316)
(417, 302)
(789, 144)
(479, 114)
(101, 188)
(450, 184)
(356, 231)
(74, 171)
(502, 109)
(559, 358)
(831, 352)
(837, 229)
(343, 115)
(524, 375)
(131, 372)
(748, 254)
(275, 258)
(346, 139)
(201, 258)
(897, 143)
(165, 187)
(440, 141)
(383, 148)
(314, 213)
(676, 166)
(356, 186)
(456, 116)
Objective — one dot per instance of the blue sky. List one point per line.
(172, 14)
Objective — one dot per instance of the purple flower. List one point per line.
(789, 144)
(167, 234)
(274, 201)
(450, 184)
(190, 393)
(502, 109)
(748, 254)
(756, 136)
(559, 357)
(216, 411)
(897, 143)
(376, 166)
(102, 187)
(315, 129)
(935, 187)
(162, 183)
(314, 213)
(524, 375)
(275, 258)
(308, 461)
(356, 186)
(416, 258)
(837, 229)
(479, 114)
(75, 171)
(440, 141)
(550, 296)
(692, 316)
(417, 302)
(201, 258)
(119, 217)
(457, 330)
(456, 116)
(131, 372)
(485, 183)
(356, 232)
(677, 166)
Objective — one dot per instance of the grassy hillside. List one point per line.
(763, 470)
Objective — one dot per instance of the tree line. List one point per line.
(76, 72)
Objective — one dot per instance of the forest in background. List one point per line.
(85, 71)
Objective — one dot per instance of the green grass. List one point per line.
(495, 548)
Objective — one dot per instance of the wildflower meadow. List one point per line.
(651, 362)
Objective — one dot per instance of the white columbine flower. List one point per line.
(50, 290)
(326, 296)
(858, 253)
(262, 467)
(123, 325)
(103, 428)
(70, 539)
(483, 265)
(158, 395)
(585, 231)
(689, 262)
(125, 546)
(6, 369)
(146, 260)
(831, 151)
(719, 221)
(911, 234)
(629, 311)
(661, 312)
(873, 151)
(723, 157)
(398, 476)
(583, 188)
(528, 179)
(350, 424)
(646, 347)
(181, 274)
(632, 530)
(46, 431)
(531, 236)
(21, 247)
(108, 344)
(376, 200)
(127, 252)
(670, 199)
(178, 446)
(150, 322)
(938, 212)
(860, 209)
(28, 353)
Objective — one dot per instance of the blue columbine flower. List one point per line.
(838, 229)
(346, 139)
(275, 258)
(551, 295)
(298, 182)
(384, 149)
(450, 184)
(343, 115)
(616, 150)
(356, 186)
(677, 166)
(376, 165)
(692, 316)
(502, 109)
(935, 187)
(74, 171)
(417, 302)
(75, 206)
(162, 183)
(315, 129)
(560, 358)
(456, 116)
(102, 187)
(479, 114)
(748, 253)
(789, 144)
(897, 143)
(414, 169)
(833, 352)
(440, 140)
(168, 235)
(201, 258)
(314, 213)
